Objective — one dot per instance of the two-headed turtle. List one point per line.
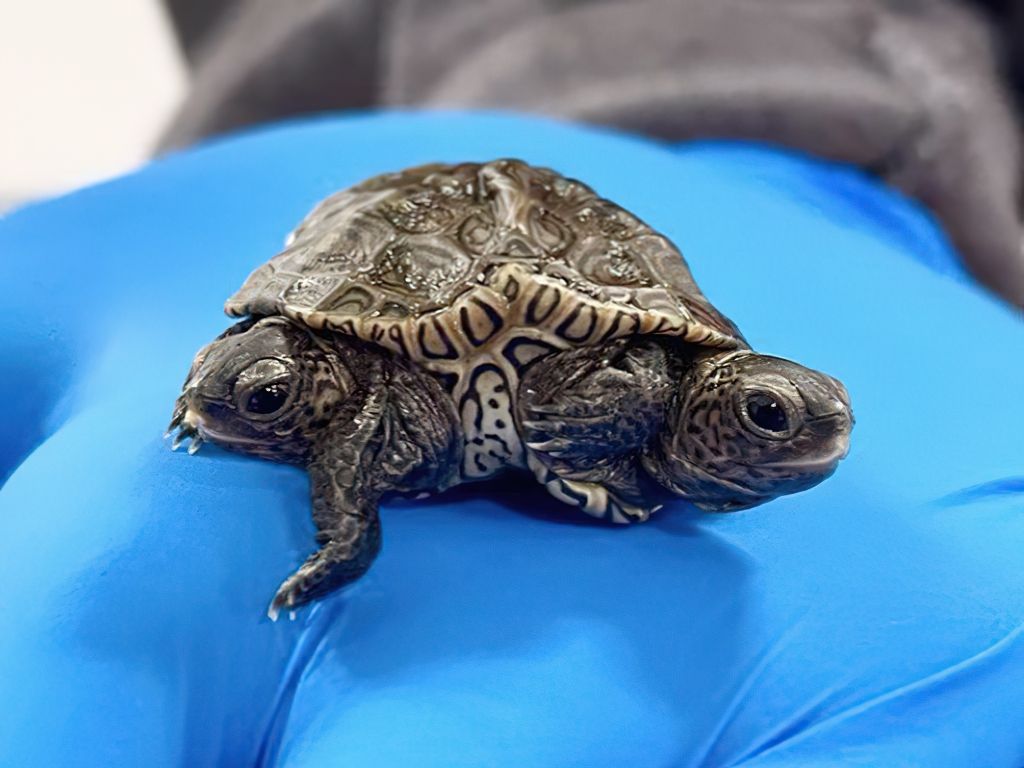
(448, 322)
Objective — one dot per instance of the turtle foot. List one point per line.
(183, 428)
(302, 587)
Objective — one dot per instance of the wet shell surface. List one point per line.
(473, 271)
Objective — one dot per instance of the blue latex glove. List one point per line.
(874, 620)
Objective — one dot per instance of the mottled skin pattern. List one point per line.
(638, 418)
(447, 323)
(363, 422)
(473, 271)
(717, 455)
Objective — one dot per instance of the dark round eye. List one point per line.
(767, 413)
(268, 399)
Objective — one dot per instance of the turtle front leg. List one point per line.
(404, 437)
(584, 416)
(345, 501)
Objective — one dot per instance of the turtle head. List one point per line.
(746, 428)
(263, 387)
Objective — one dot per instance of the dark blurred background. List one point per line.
(923, 94)
(201, 26)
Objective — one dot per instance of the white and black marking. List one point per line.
(521, 351)
(592, 498)
(492, 443)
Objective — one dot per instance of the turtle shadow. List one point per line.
(993, 489)
(516, 492)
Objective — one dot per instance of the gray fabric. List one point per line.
(267, 60)
(907, 89)
(193, 20)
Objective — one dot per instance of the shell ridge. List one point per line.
(448, 264)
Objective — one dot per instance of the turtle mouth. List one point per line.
(189, 425)
(834, 415)
(816, 464)
(212, 435)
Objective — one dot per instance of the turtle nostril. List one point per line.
(214, 411)
(843, 393)
(844, 420)
(200, 409)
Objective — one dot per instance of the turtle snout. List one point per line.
(829, 415)
(840, 389)
(841, 441)
(203, 410)
(828, 400)
(844, 396)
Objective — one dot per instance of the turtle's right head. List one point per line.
(263, 387)
(746, 428)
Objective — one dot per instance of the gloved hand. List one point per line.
(872, 620)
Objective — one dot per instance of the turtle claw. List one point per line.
(303, 586)
(180, 430)
(177, 418)
(289, 597)
(283, 599)
(274, 612)
(180, 437)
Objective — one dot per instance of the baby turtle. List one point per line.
(445, 323)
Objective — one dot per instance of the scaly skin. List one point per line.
(615, 428)
(448, 322)
(363, 422)
(636, 415)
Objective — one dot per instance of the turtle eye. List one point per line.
(264, 389)
(767, 413)
(267, 399)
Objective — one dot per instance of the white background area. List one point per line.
(86, 88)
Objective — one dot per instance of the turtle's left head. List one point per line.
(263, 387)
(746, 428)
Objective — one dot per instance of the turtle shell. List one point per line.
(449, 264)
